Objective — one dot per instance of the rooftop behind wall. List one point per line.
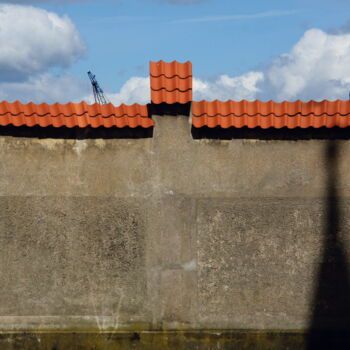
(170, 233)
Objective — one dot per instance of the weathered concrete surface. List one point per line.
(167, 233)
(264, 254)
(72, 256)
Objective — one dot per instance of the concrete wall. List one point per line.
(170, 233)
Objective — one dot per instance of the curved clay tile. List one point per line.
(271, 114)
(171, 69)
(170, 85)
(74, 115)
(175, 96)
(171, 82)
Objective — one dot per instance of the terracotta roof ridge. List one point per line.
(257, 107)
(74, 115)
(269, 114)
(72, 109)
(72, 122)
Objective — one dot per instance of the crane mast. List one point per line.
(98, 92)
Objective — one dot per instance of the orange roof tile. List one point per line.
(271, 114)
(171, 82)
(74, 114)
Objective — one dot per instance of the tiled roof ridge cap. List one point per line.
(216, 108)
(49, 109)
(171, 82)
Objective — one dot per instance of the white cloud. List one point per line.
(135, 90)
(33, 40)
(45, 88)
(225, 87)
(317, 67)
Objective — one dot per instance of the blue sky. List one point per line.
(122, 36)
(244, 41)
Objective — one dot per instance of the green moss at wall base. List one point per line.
(201, 340)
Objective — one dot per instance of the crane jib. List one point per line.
(97, 90)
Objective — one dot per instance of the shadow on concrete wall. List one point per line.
(76, 133)
(330, 323)
(271, 133)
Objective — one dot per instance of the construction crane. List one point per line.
(98, 92)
